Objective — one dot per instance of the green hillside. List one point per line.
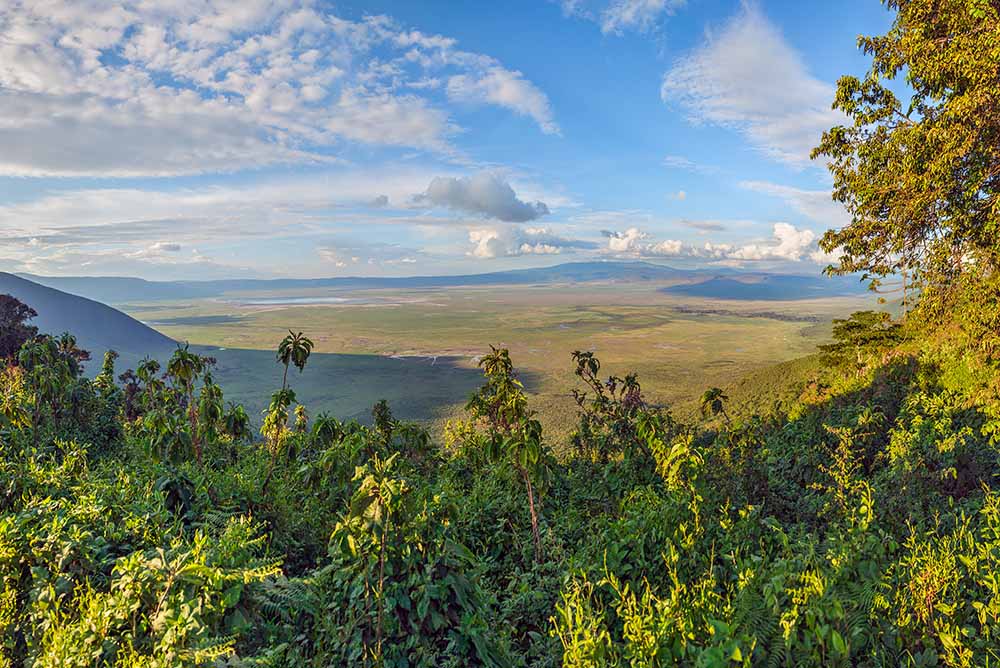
(97, 327)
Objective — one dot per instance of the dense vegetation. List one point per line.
(146, 522)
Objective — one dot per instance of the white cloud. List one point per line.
(484, 194)
(817, 205)
(513, 240)
(686, 164)
(787, 244)
(347, 253)
(631, 240)
(621, 15)
(636, 243)
(159, 89)
(618, 16)
(508, 89)
(749, 78)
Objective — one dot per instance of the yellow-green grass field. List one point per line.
(419, 348)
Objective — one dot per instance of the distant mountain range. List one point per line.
(125, 290)
(770, 287)
(97, 327)
(714, 283)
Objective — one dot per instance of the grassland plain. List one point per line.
(419, 348)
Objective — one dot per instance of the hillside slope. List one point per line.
(97, 327)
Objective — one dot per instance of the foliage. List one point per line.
(713, 402)
(865, 332)
(294, 349)
(14, 328)
(920, 177)
(513, 434)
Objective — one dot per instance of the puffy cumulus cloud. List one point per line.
(668, 248)
(509, 241)
(637, 243)
(747, 77)
(483, 194)
(820, 256)
(165, 247)
(786, 244)
(629, 241)
(138, 88)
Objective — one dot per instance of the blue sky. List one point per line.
(200, 139)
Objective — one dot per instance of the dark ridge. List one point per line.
(97, 327)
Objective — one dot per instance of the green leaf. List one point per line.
(838, 642)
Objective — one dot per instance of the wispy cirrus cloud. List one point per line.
(619, 16)
(682, 163)
(747, 77)
(817, 205)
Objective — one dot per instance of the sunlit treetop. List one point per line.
(921, 176)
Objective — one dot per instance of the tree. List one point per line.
(148, 372)
(14, 328)
(105, 380)
(130, 394)
(608, 410)
(294, 349)
(863, 331)
(73, 354)
(921, 179)
(275, 428)
(713, 403)
(236, 423)
(49, 377)
(185, 367)
(515, 436)
(382, 421)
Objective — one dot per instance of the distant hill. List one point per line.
(121, 290)
(97, 327)
(770, 287)
(697, 283)
(115, 290)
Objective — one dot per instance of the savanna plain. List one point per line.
(419, 349)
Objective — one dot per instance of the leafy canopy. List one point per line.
(920, 177)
